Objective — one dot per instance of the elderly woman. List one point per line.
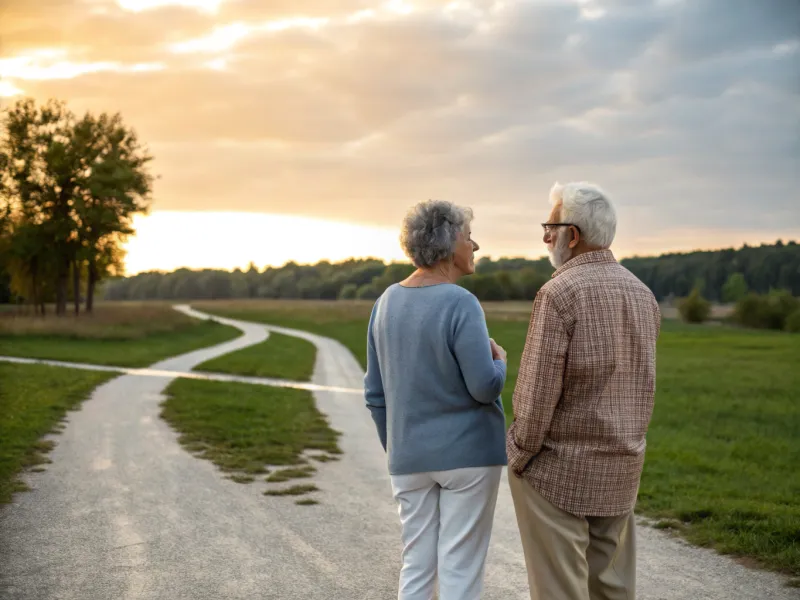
(433, 386)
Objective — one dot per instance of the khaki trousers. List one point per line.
(574, 558)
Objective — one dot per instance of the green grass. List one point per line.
(239, 478)
(245, 428)
(280, 356)
(122, 352)
(323, 458)
(135, 335)
(723, 445)
(342, 321)
(293, 473)
(722, 455)
(295, 490)
(307, 502)
(723, 448)
(33, 401)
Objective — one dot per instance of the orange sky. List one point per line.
(303, 129)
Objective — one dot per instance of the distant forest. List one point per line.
(721, 276)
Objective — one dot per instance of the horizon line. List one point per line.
(263, 268)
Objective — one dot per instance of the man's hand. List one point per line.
(498, 352)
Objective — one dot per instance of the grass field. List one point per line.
(126, 335)
(280, 356)
(343, 321)
(33, 400)
(723, 445)
(245, 429)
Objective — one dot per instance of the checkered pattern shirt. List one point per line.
(584, 393)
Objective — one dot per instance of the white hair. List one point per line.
(587, 207)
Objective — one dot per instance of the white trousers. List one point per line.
(447, 521)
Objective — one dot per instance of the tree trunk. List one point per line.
(90, 285)
(35, 296)
(61, 287)
(76, 286)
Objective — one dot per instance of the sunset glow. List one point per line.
(168, 240)
(340, 115)
(210, 6)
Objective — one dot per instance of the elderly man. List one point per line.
(582, 405)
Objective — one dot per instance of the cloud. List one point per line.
(688, 111)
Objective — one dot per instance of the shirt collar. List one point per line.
(593, 257)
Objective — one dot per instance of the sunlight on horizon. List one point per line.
(169, 240)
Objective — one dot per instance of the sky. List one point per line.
(304, 129)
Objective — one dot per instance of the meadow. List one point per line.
(268, 426)
(723, 448)
(129, 334)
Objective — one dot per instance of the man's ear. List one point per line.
(575, 237)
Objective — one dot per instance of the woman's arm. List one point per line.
(373, 384)
(484, 376)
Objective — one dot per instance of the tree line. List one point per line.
(720, 276)
(69, 188)
(353, 279)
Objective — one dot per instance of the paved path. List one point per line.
(123, 512)
(170, 375)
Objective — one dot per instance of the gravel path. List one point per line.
(123, 512)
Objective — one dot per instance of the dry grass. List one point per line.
(134, 334)
(129, 320)
(327, 311)
(323, 311)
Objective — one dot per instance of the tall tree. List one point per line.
(59, 171)
(39, 174)
(21, 190)
(71, 188)
(115, 185)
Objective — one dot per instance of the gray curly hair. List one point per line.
(430, 230)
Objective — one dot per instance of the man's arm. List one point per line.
(539, 383)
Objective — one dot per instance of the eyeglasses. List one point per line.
(548, 227)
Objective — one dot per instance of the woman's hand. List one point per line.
(498, 352)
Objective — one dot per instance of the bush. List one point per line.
(750, 311)
(694, 308)
(348, 291)
(735, 288)
(771, 311)
(792, 324)
(367, 292)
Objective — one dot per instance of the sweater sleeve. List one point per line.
(373, 384)
(484, 377)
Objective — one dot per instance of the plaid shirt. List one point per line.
(584, 393)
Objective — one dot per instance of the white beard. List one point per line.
(560, 253)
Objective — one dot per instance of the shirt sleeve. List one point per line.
(373, 384)
(539, 383)
(483, 376)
